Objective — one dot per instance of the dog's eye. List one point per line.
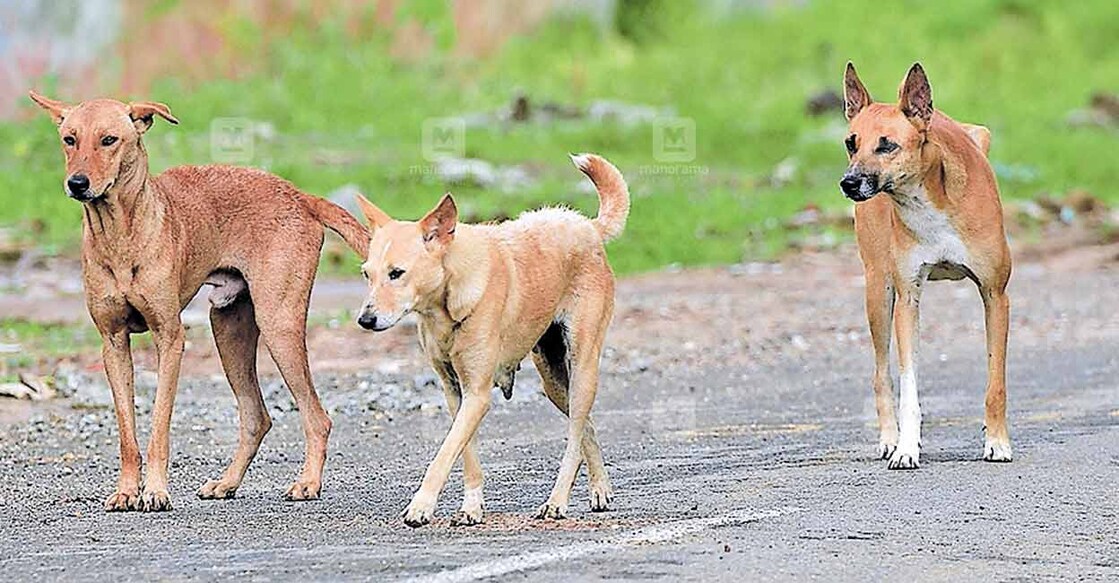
(885, 146)
(69, 140)
(852, 146)
(396, 273)
(108, 140)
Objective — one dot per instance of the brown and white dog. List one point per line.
(149, 243)
(487, 295)
(938, 217)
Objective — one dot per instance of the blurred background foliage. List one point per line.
(337, 92)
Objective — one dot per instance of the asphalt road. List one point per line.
(748, 461)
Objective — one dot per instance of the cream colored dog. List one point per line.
(487, 295)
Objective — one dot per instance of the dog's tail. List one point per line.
(613, 194)
(340, 221)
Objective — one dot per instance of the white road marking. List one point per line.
(659, 533)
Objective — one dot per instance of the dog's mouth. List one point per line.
(861, 197)
(377, 322)
(85, 196)
(860, 188)
(889, 186)
(89, 194)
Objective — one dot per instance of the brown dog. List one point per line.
(149, 243)
(487, 295)
(940, 219)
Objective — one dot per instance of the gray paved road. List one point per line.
(756, 468)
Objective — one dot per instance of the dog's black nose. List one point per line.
(850, 185)
(367, 321)
(78, 185)
(859, 187)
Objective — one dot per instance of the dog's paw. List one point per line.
(905, 458)
(155, 500)
(123, 501)
(601, 496)
(997, 451)
(886, 449)
(466, 517)
(472, 509)
(418, 513)
(301, 491)
(551, 511)
(217, 490)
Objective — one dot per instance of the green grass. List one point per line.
(42, 341)
(1015, 65)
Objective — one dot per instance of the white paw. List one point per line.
(601, 495)
(885, 449)
(418, 513)
(905, 458)
(472, 509)
(997, 451)
(552, 511)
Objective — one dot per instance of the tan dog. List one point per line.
(487, 295)
(940, 218)
(149, 243)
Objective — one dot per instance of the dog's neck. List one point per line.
(466, 267)
(921, 205)
(114, 222)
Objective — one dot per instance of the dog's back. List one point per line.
(556, 235)
(243, 207)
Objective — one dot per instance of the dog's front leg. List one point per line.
(473, 501)
(879, 314)
(169, 345)
(907, 324)
(475, 403)
(116, 351)
(997, 306)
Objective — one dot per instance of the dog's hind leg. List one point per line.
(473, 502)
(281, 294)
(586, 333)
(236, 335)
(550, 357)
(879, 314)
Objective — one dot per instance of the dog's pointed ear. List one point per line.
(57, 109)
(439, 225)
(374, 216)
(855, 95)
(143, 113)
(915, 97)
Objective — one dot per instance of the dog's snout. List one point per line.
(367, 321)
(859, 186)
(78, 185)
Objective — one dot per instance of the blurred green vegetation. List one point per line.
(344, 112)
(37, 341)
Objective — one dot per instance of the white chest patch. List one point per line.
(940, 252)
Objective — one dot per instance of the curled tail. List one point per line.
(613, 194)
(340, 221)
